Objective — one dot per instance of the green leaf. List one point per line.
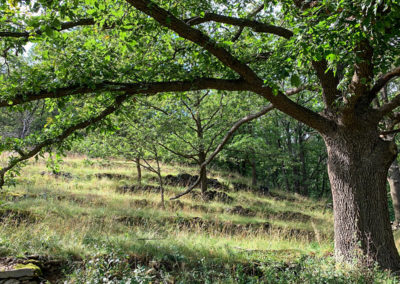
(331, 57)
(295, 80)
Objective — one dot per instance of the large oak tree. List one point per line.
(95, 55)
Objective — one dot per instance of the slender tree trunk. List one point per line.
(160, 180)
(295, 168)
(302, 158)
(203, 181)
(139, 170)
(203, 174)
(394, 182)
(358, 163)
(202, 155)
(253, 173)
(285, 173)
(322, 192)
(296, 179)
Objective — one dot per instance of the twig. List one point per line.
(144, 239)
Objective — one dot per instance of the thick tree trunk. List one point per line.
(358, 163)
(394, 182)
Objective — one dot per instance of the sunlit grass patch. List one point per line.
(78, 216)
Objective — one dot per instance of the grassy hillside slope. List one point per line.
(83, 225)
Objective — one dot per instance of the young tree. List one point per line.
(193, 125)
(349, 48)
(134, 138)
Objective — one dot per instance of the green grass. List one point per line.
(102, 234)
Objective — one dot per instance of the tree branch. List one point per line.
(224, 141)
(211, 144)
(131, 88)
(252, 14)
(230, 133)
(168, 20)
(394, 131)
(188, 190)
(255, 25)
(185, 141)
(65, 134)
(183, 155)
(329, 82)
(383, 80)
(363, 76)
(277, 98)
(388, 107)
(64, 26)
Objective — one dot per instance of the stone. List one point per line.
(21, 270)
(17, 273)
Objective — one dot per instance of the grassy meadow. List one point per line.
(92, 232)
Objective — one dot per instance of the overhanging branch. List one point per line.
(131, 88)
(277, 98)
(184, 30)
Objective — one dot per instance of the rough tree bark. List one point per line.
(394, 183)
(358, 163)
